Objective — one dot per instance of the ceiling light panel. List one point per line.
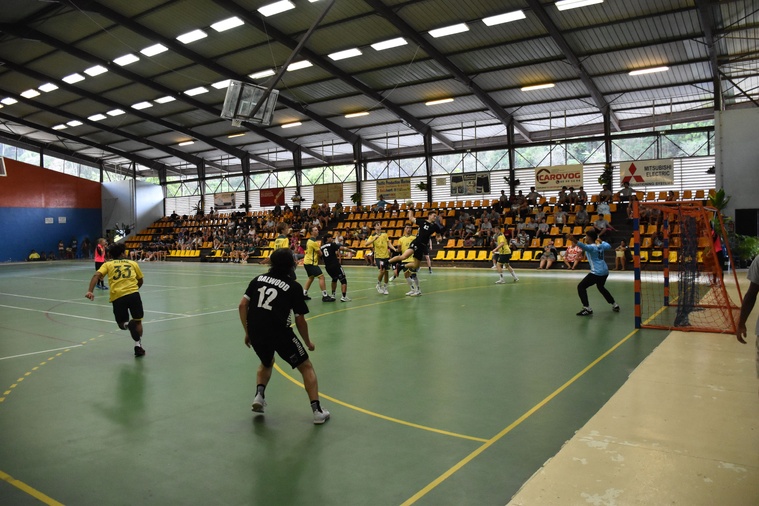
(299, 65)
(348, 53)
(74, 123)
(538, 87)
(196, 91)
(276, 8)
(154, 50)
(30, 94)
(565, 5)
(449, 30)
(47, 88)
(97, 117)
(142, 105)
(651, 70)
(227, 24)
(73, 78)
(262, 74)
(165, 100)
(192, 36)
(126, 59)
(387, 44)
(504, 18)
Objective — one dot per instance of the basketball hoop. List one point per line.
(242, 104)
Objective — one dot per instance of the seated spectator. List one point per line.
(380, 206)
(582, 218)
(548, 257)
(395, 206)
(337, 211)
(602, 227)
(503, 200)
(620, 256)
(533, 198)
(624, 194)
(582, 197)
(671, 196)
(605, 195)
(562, 199)
(573, 253)
(457, 229)
(486, 229)
(603, 208)
(543, 229)
(33, 256)
(520, 240)
(560, 217)
(469, 242)
(572, 196)
(658, 240)
(469, 229)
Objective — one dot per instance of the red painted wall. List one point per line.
(31, 186)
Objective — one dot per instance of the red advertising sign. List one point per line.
(272, 197)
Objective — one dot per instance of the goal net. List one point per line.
(678, 255)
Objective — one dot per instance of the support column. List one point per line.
(245, 166)
(512, 157)
(428, 162)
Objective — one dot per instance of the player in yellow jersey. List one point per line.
(382, 249)
(282, 241)
(502, 254)
(125, 279)
(408, 269)
(311, 264)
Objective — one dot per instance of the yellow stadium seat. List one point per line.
(440, 255)
(460, 255)
(516, 256)
(483, 255)
(450, 255)
(471, 255)
(526, 255)
(673, 257)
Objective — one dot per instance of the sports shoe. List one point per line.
(379, 288)
(328, 298)
(321, 416)
(306, 297)
(493, 267)
(500, 282)
(139, 351)
(585, 312)
(416, 293)
(516, 279)
(258, 404)
(385, 292)
(345, 299)
(132, 327)
(615, 308)
(392, 278)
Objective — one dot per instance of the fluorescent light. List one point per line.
(387, 44)
(97, 117)
(276, 8)
(74, 123)
(9, 101)
(348, 53)
(227, 24)
(186, 143)
(60, 127)
(165, 100)
(192, 36)
(648, 71)
(299, 65)
(142, 105)
(196, 91)
(48, 87)
(438, 102)
(115, 112)
(221, 84)
(504, 18)
(262, 74)
(357, 114)
(241, 134)
(565, 5)
(154, 50)
(293, 124)
(126, 59)
(449, 30)
(73, 78)
(96, 70)
(30, 94)
(538, 87)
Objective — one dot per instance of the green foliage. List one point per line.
(356, 198)
(422, 185)
(748, 247)
(719, 199)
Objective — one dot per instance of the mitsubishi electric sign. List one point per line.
(556, 176)
(647, 172)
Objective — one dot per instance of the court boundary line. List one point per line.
(463, 462)
(29, 490)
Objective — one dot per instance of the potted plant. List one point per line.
(606, 175)
(747, 249)
(422, 185)
(718, 200)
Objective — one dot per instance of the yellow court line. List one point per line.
(29, 490)
(440, 479)
(383, 417)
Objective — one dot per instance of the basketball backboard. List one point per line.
(241, 100)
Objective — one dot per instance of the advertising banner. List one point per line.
(556, 176)
(332, 192)
(647, 172)
(272, 197)
(469, 184)
(224, 200)
(398, 188)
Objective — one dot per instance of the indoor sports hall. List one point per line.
(470, 394)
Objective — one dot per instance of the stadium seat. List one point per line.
(440, 255)
(450, 255)
(656, 256)
(483, 255)
(516, 255)
(471, 255)
(672, 257)
(460, 255)
(527, 255)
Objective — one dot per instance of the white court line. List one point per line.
(77, 302)
(43, 351)
(57, 314)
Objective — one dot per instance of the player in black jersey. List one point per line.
(265, 316)
(421, 245)
(331, 256)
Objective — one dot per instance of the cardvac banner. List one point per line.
(555, 176)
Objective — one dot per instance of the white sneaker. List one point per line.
(493, 267)
(412, 292)
(321, 416)
(379, 288)
(500, 282)
(345, 299)
(392, 278)
(385, 292)
(258, 404)
(417, 293)
(516, 279)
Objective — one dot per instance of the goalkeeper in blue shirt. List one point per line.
(594, 249)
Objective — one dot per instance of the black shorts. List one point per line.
(126, 305)
(284, 342)
(381, 263)
(504, 259)
(420, 250)
(313, 271)
(337, 273)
